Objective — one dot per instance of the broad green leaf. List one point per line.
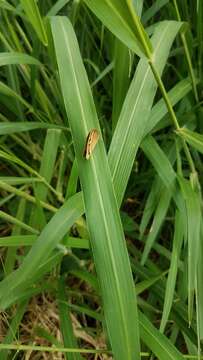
(192, 138)
(33, 14)
(121, 19)
(136, 109)
(106, 233)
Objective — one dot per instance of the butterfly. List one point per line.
(91, 141)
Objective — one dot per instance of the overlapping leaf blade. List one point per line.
(136, 109)
(120, 18)
(107, 238)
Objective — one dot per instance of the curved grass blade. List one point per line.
(57, 7)
(120, 18)
(106, 233)
(14, 58)
(156, 7)
(33, 15)
(136, 109)
(7, 91)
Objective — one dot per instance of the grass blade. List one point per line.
(33, 15)
(121, 18)
(159, 160)
(136, 109)
(14, 58)
(15, 127)
(120, 78)
(193, 209)
(157, 342)
(158, 220)
(69, 339)
(17, 222)
(171, 281)
(11, 253)
(159, 110)
(57, 7)
(150, 12)
(13, 328)
(107, 238)
(193, 138)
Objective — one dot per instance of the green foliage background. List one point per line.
(115, 240)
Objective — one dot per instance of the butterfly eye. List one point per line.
(91, 141)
